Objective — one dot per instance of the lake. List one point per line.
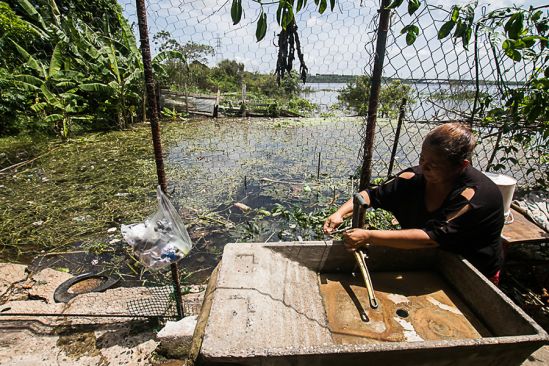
(425, 107)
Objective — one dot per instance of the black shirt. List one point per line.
(476, 234)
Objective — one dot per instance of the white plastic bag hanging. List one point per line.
(162, 238)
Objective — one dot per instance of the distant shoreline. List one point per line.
(336, 78)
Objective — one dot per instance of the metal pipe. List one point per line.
(151, 93)
(361, 260)
(84, 315)
(373, 101)
(397, 137)
(155, 129)
(359, 209)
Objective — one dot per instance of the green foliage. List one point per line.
(73, 73)
(172, 114)
(522, 35)
(412, 31)
(15, 102)
(356, 94)
(379, 219)
(391, 96)
(285, 12)
(13, 27)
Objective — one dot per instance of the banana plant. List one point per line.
(55, 89)
(108, 81)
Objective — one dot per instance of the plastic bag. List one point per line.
(162, 238)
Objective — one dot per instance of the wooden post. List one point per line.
(243, 100)
(186, 98)
(155, 130)
(373, 101)
(216, 106)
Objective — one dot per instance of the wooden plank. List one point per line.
(522, 230)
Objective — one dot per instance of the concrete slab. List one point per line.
(73, 347)
(11, 274)
(45, 283)
(538, 358)
(263, 301)
(267, 310)
(176, 337)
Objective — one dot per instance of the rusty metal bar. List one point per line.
(373, 101)
(477, 86)
(151, 92)
(155, 129)
(402, 111)
(494, 150)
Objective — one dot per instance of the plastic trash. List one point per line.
(162, 238)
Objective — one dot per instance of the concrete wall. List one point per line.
(267, 310)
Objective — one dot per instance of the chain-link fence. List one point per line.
(447, 82)
(297, 169)
(441, 81)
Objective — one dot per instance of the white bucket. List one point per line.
(506, 185)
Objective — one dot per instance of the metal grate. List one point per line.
(160, 304)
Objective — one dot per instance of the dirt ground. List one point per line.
(86, 341)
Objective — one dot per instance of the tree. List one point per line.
(180, 72)
(13, 26)
(356, 94)
(74, 73)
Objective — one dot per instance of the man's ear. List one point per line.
(465, 163)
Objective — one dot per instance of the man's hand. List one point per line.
(355, 238)
(332, 223)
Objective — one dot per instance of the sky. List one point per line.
(338, 42)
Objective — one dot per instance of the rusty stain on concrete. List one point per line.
(430, 302)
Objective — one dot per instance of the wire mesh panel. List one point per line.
(291, 168)
(444, 81)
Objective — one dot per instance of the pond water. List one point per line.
(424, 107)
(291, 173)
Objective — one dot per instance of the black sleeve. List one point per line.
(389, 195)
(450, 233)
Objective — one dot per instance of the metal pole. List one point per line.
(318, 167)
(155, 129)
(397, 137)
(373, 101)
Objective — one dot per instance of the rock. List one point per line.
(9, 274)
(176, 337)
(197, 288)
(45, 283)
(111, 230)
(242, 207)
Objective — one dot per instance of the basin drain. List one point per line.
(402, 313)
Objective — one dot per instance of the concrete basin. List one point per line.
(298, 303)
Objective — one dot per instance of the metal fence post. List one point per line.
(397, 136)
(373, 101)
(155, 129)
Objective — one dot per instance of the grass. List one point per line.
(74, 191)
(63, 197)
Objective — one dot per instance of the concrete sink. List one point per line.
(299, 303)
